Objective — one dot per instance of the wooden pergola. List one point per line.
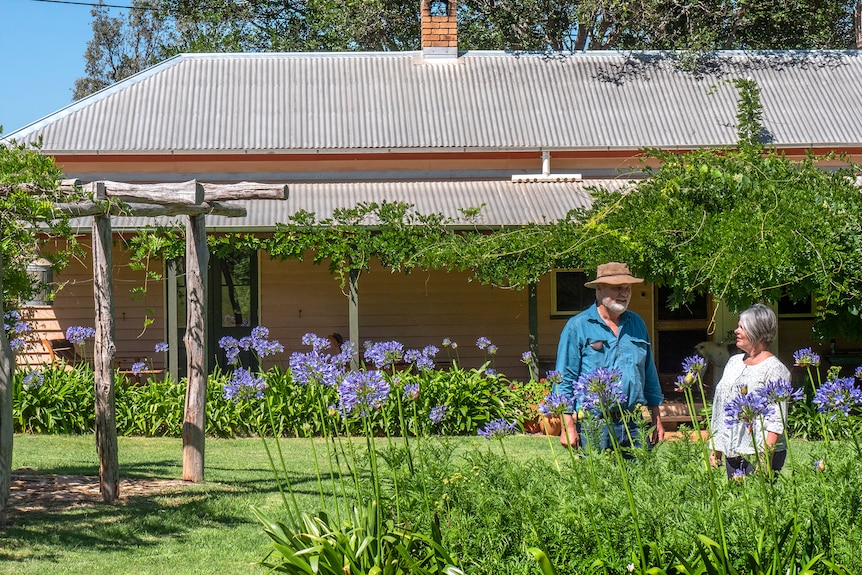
(193, 200)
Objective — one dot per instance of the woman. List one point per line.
(746, 373)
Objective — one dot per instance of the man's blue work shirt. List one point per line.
(587, 342)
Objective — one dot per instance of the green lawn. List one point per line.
(207, 528)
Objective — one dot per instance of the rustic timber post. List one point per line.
(353, 315)
(194, 424)
(533, 320)
(104, 351)
(7, 369)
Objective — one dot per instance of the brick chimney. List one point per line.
(439, 29)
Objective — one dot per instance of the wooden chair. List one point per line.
(62, 349)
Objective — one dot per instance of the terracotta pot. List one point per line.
(532, 426)
(551, 425)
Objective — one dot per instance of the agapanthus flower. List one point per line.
(230, 345)
(527, 357)
(14, 325)
(161, 347)
(599, 389)
(777, 390)
(746, 408)
(33, 380)
(858, 373)
(555, 404)
(483, 342)
(841, 394)
(347, 353)
(683, 382)
(311, 367)
(316, 342)
(492, 349)
(738, 475)
(411, 391)
(419, 358)
(490, 372)
(78, 334)
(384, 354)
(259, 343)
(806, 357)
(138, 367)
(244, 384)
(17, 344)
(819, 465)
(553, 377)
(497, 429)
(362, 393)
(694, 365)
(438, 414)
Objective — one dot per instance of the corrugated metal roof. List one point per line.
(503, 203)
(481, 101)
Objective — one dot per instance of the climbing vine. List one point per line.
(743, 224)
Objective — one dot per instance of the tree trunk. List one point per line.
(7, 368)
(103, 362)
(194, 423)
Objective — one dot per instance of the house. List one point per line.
(524, 135)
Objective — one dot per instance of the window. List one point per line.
(43, 276)
(569, 296)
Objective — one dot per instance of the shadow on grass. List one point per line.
(140, 519)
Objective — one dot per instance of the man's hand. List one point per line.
(658, 426)
(715, 458)
(569, 434)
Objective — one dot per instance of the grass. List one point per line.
(204, 529)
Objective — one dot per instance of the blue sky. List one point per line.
(41, 54)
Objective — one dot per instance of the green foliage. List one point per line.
(29, 188)
(64, 403)
(363, 544)
(155, 408)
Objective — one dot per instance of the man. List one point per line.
(607, 335)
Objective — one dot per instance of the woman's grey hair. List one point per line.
(759, 324)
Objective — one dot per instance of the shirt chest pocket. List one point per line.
(634, 350)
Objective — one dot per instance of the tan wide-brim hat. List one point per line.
(613, 273)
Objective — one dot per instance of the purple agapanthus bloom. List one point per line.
(316, 342)
(411, 392)
(694, 365)
(555, 404)
(492, 349)
(33, 380)
(483, 342)
(347, 353)
(858, 373)
(362, 393)
(244, 385)
(312, 367)
(599, 389)
(384, 354)
(438, 414)
(780, 389)
(17, 344)
(161, 347)
(490, 372)
(138, 367)
(497, 429)
(806, 357)
(838, 395)
(230, 345)
(527, 357)
(13, 325)
(746, 408)
(419, 358)
(554, 377)
(78, 334)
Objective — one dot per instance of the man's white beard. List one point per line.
(614, 306)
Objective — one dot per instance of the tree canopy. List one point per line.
(156, 29)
